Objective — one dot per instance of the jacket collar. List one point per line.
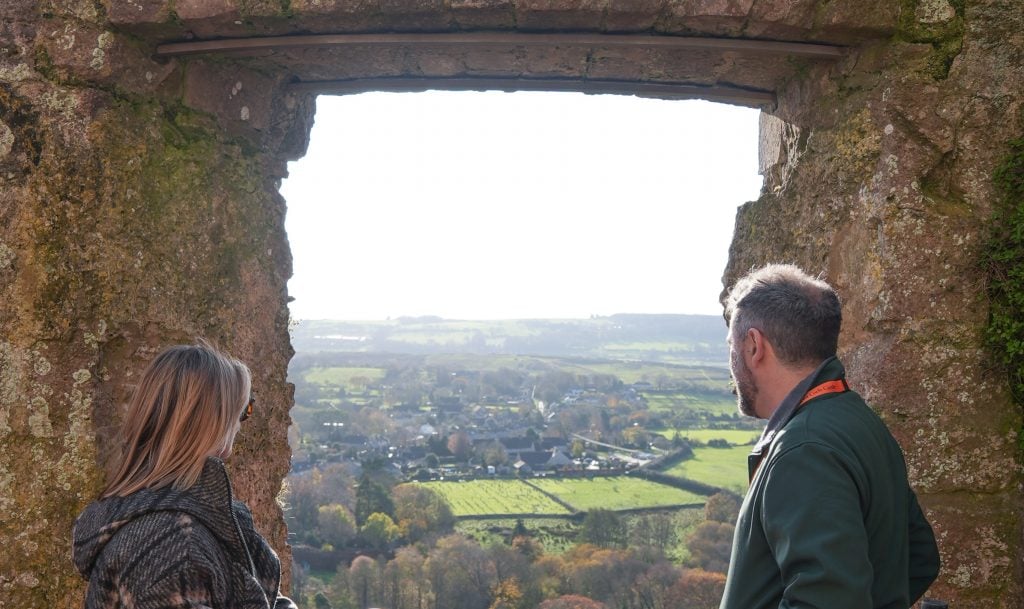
(209, 500)
(829, 370)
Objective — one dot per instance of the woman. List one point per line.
(166, 531)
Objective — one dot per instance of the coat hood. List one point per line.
(209, 501)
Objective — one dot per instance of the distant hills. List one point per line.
(679, 339)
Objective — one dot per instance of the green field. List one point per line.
(615, 493)
(556, 535)
(484, 363)
(487, 497)
(736, 437)
(342, 376)
(717, 404)
(655, 373)
(484, 497)
(722, 467)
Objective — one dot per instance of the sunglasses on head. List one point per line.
(248, 409)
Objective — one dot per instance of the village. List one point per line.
(437, 422)
(450, 437)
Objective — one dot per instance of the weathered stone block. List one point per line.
(80, 10)
(137, 12)
(240, 98)
(188, 10)
(709, 18)
(872, 18)
(86, 53)
(979, 557)
(484, 14)
(583, 15)
(781, 19)
(632, 15)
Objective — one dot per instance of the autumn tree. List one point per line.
(577, 448)
(320, 601)
(723, 506)
(336, 524)
(305, 493)
(364, 580)
(372, 497)
(571, 601)
(603, 528)
(421, 511)
(652, 589)
(698, 589)
(302, 502)
(512, 565)
(600, 573)
(653, 530)
(339, 591)
(460, 445)
(529, 547)
(495, 454)
(710, 546)
(379, 530)
(507, 595)
(548, 569)
(407, 571)
(460, 574)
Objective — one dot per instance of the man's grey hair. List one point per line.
(800, 315)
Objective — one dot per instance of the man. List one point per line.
(829, 520)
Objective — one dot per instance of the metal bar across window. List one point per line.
(511, 39)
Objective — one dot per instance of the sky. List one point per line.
(515, 205)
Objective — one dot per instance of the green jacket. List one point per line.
(830, 520)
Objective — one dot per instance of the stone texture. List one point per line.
(632, 15)
(559, 15)
(780, 19)
(190, 10)
(845, 22)
(483, 14)
(76, 51)
(882, 183)
(136, 12)
(139, 208)
(241, 99)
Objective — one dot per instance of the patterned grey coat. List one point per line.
(164, 548)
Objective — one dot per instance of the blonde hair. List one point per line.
(184, 409)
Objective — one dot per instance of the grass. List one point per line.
(481, 363)
(485, 497)
(556, 535)
(679, 401)
(414, 337)
(634, 372)
(327, 577)
(342, 376)
(722, 467)
(615, 493)
(732, 436)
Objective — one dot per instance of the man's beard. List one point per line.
(745, 388)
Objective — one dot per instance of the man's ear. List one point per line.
(758, 349)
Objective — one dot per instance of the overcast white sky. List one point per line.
(516, 205)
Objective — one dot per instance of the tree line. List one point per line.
(413, 558)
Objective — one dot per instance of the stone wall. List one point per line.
(139, 207)
(130, 219)
(878, 174)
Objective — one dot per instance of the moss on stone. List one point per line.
(1004, 262)
(945, 37)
